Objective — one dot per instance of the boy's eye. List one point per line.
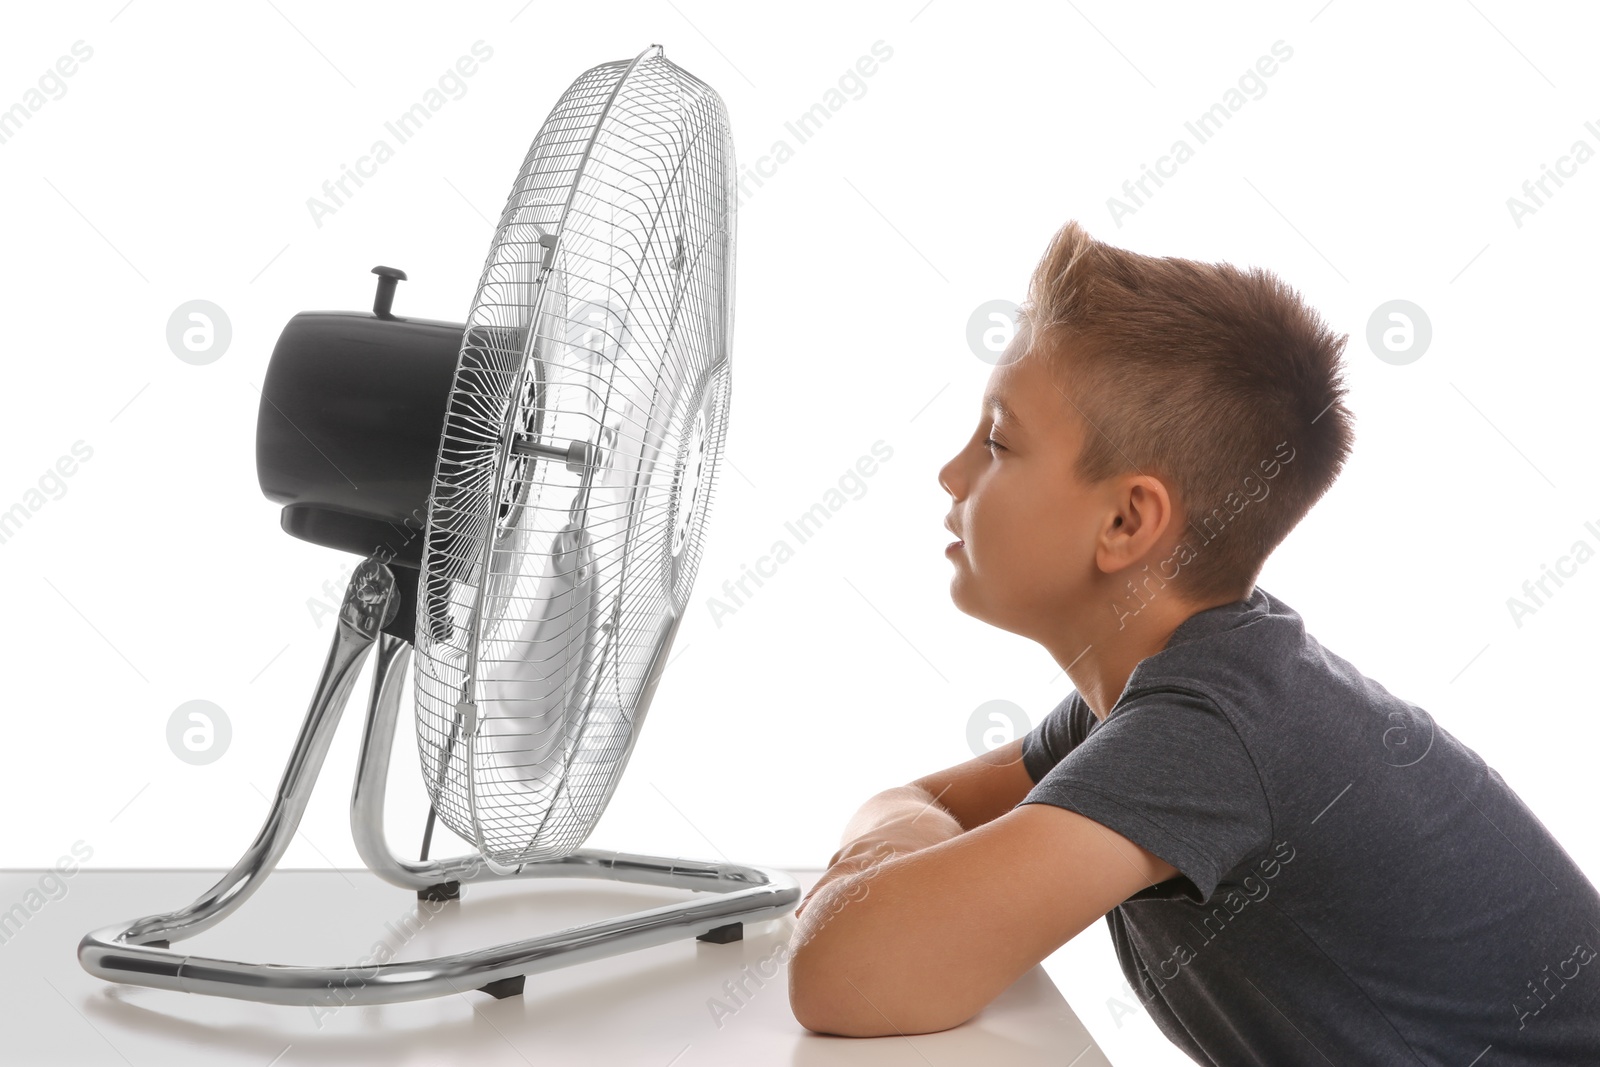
(989, 442)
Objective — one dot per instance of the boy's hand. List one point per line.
(892, 839)
(842, 866)
(898, 820)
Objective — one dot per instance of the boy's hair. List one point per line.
(1196, 373)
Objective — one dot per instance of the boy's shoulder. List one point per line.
(1304, 715)
(1258, 630)
(1255, 661)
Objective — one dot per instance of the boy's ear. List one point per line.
(1144, 515)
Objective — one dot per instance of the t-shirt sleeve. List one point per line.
(1056, 735)
(1167, 771)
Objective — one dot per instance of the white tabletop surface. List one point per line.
(652, 1008)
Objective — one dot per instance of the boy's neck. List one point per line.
(1099, 653)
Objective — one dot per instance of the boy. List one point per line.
(1295, 866)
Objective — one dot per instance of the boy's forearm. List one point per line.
(906, 816)
(892, 823)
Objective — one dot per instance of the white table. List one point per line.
(651, 1008)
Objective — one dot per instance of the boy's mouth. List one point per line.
(953, 545)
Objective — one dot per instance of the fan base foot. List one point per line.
(505, 987)
(442, 891)
(722, 935)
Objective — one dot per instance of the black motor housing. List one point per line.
(348, 432)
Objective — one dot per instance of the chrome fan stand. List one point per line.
(140, 952)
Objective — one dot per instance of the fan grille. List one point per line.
(549, 588)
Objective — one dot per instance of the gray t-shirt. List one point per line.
(1356, 885)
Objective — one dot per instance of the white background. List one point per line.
(1377, 165)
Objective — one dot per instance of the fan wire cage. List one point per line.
(578, 460)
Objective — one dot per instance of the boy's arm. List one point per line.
(932, 809)
(924, 940)
(907, 813)
(894, 822)
(983, 788)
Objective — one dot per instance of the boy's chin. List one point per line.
(961, 595)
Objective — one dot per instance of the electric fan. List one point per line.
(530, 490)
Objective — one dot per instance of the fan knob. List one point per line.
(383, 300)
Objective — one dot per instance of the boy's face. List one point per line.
(1029, 527)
